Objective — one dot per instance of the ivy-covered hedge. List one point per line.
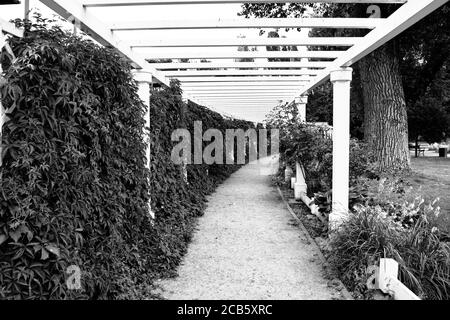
(74, 186)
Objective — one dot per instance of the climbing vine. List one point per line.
(74, 186)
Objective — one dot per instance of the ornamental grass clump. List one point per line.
(406, 235)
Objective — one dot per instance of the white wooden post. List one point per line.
(2, 110)
(5, 28)
(185, 99)
(288, 173)
(300, 184)
(341, 79)
(144, 80)
(387, 281)
(301, 102)
(26, 10)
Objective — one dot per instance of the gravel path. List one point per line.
(247, 246)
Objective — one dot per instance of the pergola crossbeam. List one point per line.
(232, 64)
(239, 89)
(244, 85)
(236, 42)
(333, 23)
(196, 73)
(252, 79)
(10, 28)
(406, 16)
(243, 55)
(100, 32)
(122, 3)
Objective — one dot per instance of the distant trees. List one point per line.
(429, 115)
(245, 48)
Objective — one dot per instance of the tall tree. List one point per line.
(386, 127)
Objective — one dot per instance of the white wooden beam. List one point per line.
(10, 28)
(115, 3)
(403, 18)
(243, 86)
(245, 94)
(241, 102)
(249, 91)
(231, 72)
(242, 54)
(255, 79)
(388, 281)
(99, 32)
(237, 94)
(240, 99)
(347, 23)
(240, 89)
(272, 97)
(231, 64)
(221, 104)
(237, 42)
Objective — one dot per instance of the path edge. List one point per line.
(344, 291)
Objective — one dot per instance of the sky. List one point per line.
(111, 15)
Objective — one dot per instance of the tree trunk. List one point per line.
(416, 147)
(385, 113)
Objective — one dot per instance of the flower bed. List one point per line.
(387, 217)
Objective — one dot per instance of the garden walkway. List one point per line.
(248, 246)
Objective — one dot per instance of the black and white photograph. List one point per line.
(225, 159)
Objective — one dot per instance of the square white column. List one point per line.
(300, 103)
(341, 80)
(2, 110)
(144, 81)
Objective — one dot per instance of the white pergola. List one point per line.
(225, 83)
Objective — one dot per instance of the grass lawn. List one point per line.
(432, 174)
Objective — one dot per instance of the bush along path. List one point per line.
(248, 246)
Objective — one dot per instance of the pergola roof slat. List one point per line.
(224, 81)
(236, 42)
(406, 16)
(10, 28)
(242, 88)
(243, 55)
(239, 88)
(98, 31)
(257, 94)
(252, 79)
(196, 73)
(218, 65)
(115, 3)
(358, 23)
